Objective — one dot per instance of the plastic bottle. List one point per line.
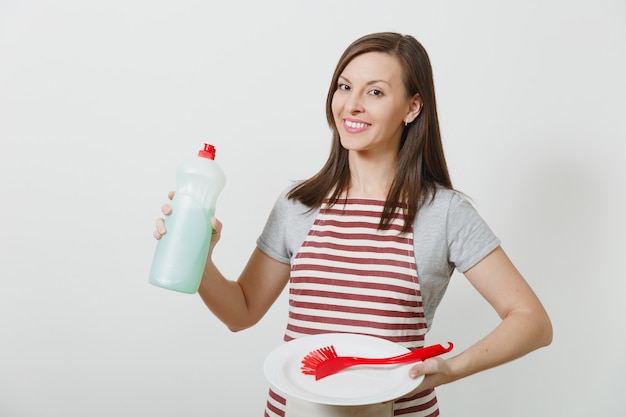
(181, 252)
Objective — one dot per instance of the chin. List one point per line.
(351, 144)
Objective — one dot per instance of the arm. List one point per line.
(238, 304)
(242, 303)
(525, 325)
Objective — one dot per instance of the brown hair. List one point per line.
(421, 162)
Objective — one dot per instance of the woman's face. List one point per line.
(370, 105)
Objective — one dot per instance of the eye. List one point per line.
(376, 92)
(344, 87)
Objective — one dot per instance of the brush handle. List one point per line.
(412, 356)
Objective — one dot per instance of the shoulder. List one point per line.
(286, 227)
(449, 216)
(290, 214)
(289, 205)
(468, 236)
(440, 202)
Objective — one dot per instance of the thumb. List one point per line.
(417, 370)
(216, 225)
(428, 367)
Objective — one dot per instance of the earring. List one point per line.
(406, 123)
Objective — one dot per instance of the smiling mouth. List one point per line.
(356, 125)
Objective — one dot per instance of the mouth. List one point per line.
(352, 126)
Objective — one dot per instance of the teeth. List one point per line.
(355, 125)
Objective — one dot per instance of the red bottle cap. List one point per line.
(207, 152)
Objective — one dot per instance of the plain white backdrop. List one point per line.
(100, 101)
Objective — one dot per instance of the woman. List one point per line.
(369, 243)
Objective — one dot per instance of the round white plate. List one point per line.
(359, 385)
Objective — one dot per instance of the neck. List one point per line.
(370, 177)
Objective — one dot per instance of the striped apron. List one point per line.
(350, 277)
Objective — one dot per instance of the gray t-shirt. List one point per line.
(448, 233)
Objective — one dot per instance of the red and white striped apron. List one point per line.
(350, 277)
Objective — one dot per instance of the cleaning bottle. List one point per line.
(181, 252)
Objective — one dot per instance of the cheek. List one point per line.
(396, 116)
(336, 106)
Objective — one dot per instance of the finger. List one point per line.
(216, 225)
(160, 226)
(428, 367)
(170, 195)
(417, 370)
(166, 209)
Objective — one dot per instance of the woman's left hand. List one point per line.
(436, 372)
(524, 327)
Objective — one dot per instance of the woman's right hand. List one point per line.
(166, 209)
(216, 225)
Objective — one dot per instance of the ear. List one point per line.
(415, 107)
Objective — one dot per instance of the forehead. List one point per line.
(373, 66)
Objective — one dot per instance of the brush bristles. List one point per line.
(313, 359)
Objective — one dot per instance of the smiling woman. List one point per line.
(401, 66)
(370, 106)
(368, 244)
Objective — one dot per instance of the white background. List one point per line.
(100, 101)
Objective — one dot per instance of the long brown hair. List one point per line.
(421, 162)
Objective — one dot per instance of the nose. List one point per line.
(354, 104)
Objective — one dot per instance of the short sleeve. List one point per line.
(286, 228)
(469, 237)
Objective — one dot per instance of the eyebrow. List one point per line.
(369, 82)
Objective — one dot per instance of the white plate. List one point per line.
(358, 385)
